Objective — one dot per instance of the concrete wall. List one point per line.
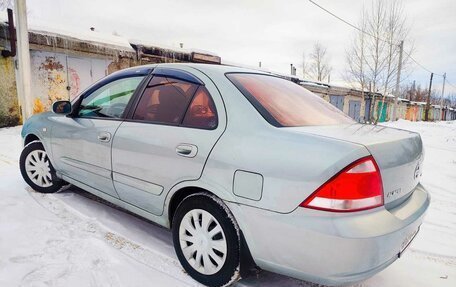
(10, 114)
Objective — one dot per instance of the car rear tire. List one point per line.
(37, 170)
(206, 240)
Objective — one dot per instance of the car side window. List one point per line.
(201, 113)
(164, 100)
(176, 102)
(110, 100)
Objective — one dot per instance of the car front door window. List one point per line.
(110, 100)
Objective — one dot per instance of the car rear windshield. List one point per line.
(286, 104)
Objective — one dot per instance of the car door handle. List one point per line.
(187, 150)
(104, 137)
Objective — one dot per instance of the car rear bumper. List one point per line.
(331, 248)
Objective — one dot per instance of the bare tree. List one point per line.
(319, 68)
(374, 46)
(419, 94)
(394, 32)
(451, 100)
(355, 57)
(374, 54)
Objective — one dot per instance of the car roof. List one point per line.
(202, 67)
(205, 68)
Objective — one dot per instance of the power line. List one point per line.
(341, 19)
(454, 86)
(350, 24)
(423, 67)
(376, 37)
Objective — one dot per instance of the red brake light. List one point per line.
(356, 187)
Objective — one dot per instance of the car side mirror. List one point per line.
(61, 107)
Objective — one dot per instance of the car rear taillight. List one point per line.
(356, 187)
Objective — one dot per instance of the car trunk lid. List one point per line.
(398, 153)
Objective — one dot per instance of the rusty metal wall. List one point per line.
(57, 76)
(49, 79)
(82, 72)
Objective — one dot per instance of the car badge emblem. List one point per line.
(417, 171)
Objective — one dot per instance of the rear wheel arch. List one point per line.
(180, 195)
(247, 263)
(180, 191)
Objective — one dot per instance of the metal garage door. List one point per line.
(337, 101)
(354, 108)
(82, 72)
(367, 110)
(56, 76)
(78, 75)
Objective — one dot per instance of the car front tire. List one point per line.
(37, 170)
(206, 240)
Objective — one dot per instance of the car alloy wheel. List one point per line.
(202, 241)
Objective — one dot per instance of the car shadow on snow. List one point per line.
(150, 235)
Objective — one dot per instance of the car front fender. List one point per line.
(39, 126)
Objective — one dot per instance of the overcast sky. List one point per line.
(246, 32)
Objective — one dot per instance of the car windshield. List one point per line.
(286, 104)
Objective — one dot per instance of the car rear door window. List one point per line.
(201, 113)
(286, 104)
(176, 102)
(110, 100)
(165, 100)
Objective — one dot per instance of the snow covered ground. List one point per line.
(73, 239)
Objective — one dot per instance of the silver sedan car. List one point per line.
(244, 166)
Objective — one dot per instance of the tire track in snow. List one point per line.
(437, 258)
(72, 220)
(8, 160)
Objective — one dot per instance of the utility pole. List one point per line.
(428, 101)
(412, 94)
(23, 60)
(304, 66)
(398, 81)
(443, 94)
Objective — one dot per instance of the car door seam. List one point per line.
(110, 154)
(212, 148)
